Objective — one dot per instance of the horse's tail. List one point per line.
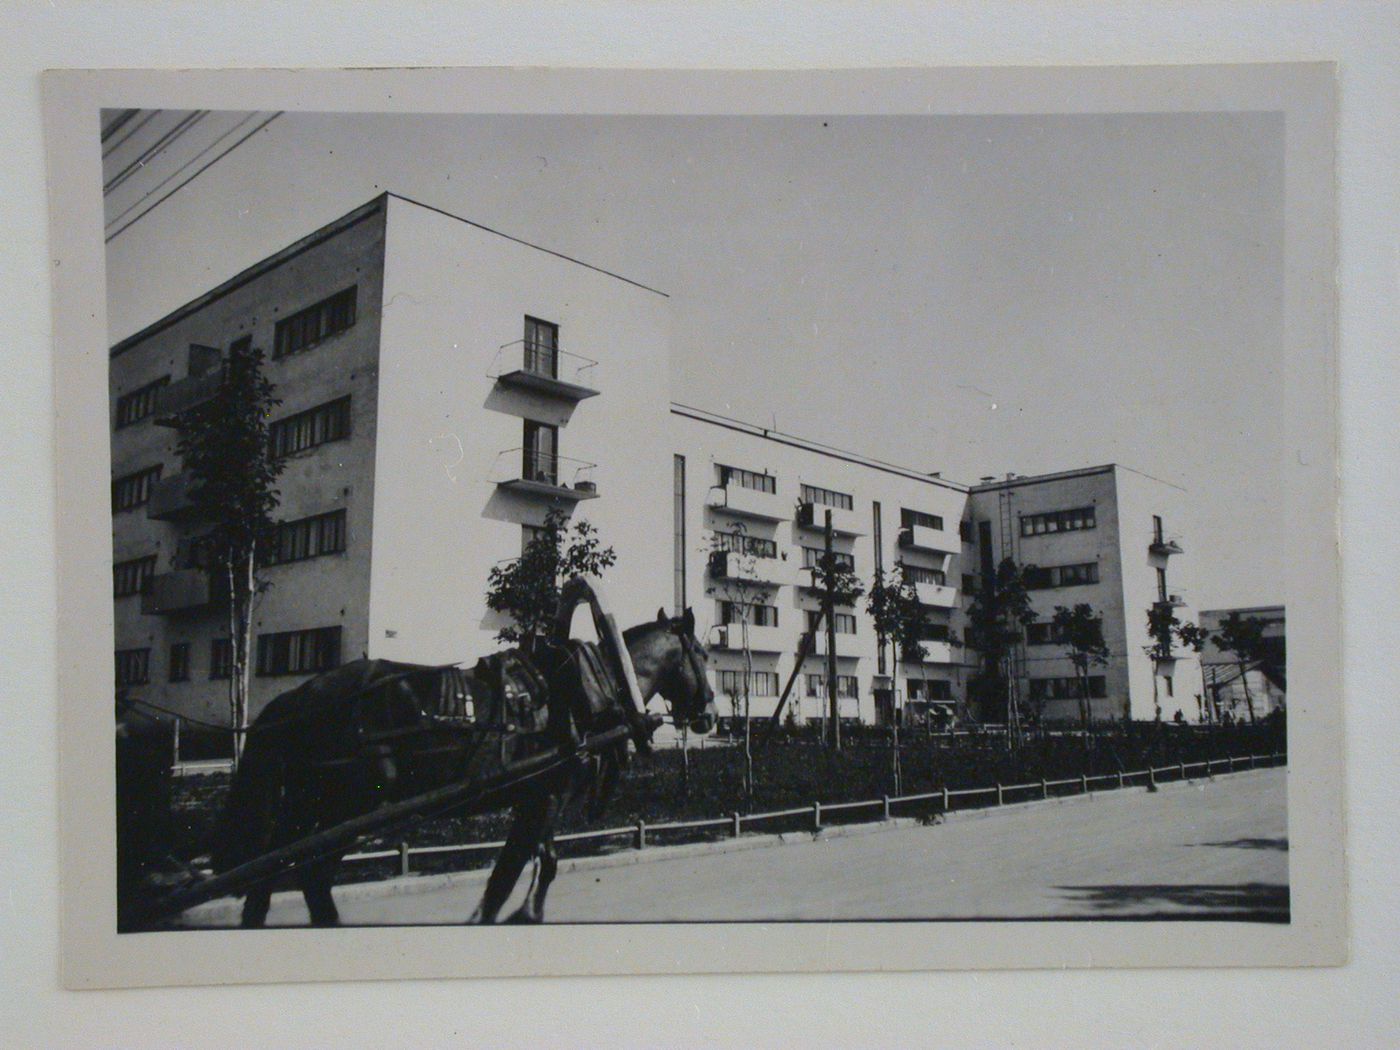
(249, 818)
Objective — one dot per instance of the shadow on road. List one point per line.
(1256, 901)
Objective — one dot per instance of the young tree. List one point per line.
(1194, 638)
(900, 619)
(1162, 626)
(1243, 638)
(833, 575)
(224, 444)
(739, 590)
(998, 617)
(526, 589)
(1080, 629)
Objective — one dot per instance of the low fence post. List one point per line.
(946, 799)
(1044, 788)
(1000, 798)
(1084, 783)
(736, 822)
(885, 807)
(1182, 766)
(1120, 778)
(816, 816)
(1251, 760)
(1151, 777)
(641, 834)
(1232, 763)
(403, 858)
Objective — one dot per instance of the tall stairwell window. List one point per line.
(541, 347)
(541, 453)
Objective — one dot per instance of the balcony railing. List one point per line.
(180, 591)
(940, 652)
(749, 503)
(848, 646)
(545, 370)
(170, 499)
(534, 473)
(174, 399)
(843, 522)
(936, 594)
(1173, 601)
(761, 639)
(731, 565)
(1164, 548)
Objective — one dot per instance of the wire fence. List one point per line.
(817, 815)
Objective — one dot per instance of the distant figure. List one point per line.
(1179, 718)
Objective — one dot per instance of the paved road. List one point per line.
(1218, 850)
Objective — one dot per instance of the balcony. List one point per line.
(731, 565)
(183, 590)
(848, 646)
(1171, 601)
(526, 365)
(170, 499)
(761, 639)
(932, 541)
(528, 472)
(748, 503)
(174, 399)
(939, 595)
(843, 522)
(1164, 548)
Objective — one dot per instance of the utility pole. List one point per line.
(829, 615)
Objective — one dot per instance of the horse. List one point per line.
(303, 770)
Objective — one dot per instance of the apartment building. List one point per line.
(442, 387)
(1109, 537)
(749, 521)
(1263, 684)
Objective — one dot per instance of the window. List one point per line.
(965, 531)
(845, 622)
(969, 583)
(133, 577)
(306, 328)
(1161, 585)
(529, 534)
(299, 652)
(748, 479)
(1168, 679)
(1044, 577)
(133, 490)
(315, 426)
(540, 456)
(827, 498)
(140, 403)
(1057, 521)
(812, 556)
(1044, 633)
(308, 538)
(133, 666)
(933, 632)
(754, 546)
(930, 689)
(923, 574)
(179, 667)
(678, 525)
(847, 685)
(1067, 688)
(541, 347)
(759, 615)
(908, 518)
(220, 658)
(1156, 528)
(761, 683)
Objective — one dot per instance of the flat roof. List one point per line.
(1078, 472)
(320, 236)
(715, 419)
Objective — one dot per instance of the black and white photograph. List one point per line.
(878, 518)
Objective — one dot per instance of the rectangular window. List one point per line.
(812, 556)
(923, 574)
(933, 632)
(299, 652)
(845, 622)
(541, 347)
(308, 538)
(1057, 521)
(827, 498)
(305, 328)
(909, 518)
(1161, 585)
(133, 577)
(179, 667)
(965, 531)
(315, 426)
(1044, 633)
(540, 456)
(847, 685)
(1067, 688)
(930, 689)
(220, 658)
(1168, 679)
(753, 546)
(1156, 528)
(678, 524)
(133, 666)
(747, 479)
(1045, 577)
(140, 403)
(759, 615)
(761, 683)
(133, 490)
(529, 534)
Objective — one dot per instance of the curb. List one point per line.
(226, 908)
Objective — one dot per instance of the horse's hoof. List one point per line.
(524, 918)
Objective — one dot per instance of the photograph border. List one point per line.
(95, 956)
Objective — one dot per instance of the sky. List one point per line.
(965, 294)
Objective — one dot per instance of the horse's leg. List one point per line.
(315, 880)
(532, 911)
(255, 906)
(520, 846)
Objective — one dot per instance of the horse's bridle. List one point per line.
(700, 701)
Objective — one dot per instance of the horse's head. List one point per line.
(671, 659)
